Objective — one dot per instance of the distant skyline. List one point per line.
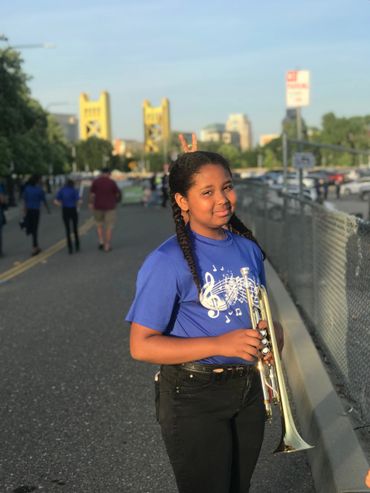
(210, 58)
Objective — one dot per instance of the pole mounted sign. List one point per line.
(303, 160)
(297, 88)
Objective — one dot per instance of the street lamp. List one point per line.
(25, 46)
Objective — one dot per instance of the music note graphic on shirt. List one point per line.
(209, 298)
(223, 293)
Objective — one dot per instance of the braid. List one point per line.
(184, 241)
(238, 227)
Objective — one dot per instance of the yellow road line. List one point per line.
(29, 263)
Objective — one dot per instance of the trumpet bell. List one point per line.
(292, 442)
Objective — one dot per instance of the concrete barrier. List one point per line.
(338, 462)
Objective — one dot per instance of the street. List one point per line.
(77, 413)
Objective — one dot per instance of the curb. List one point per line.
(338, 463)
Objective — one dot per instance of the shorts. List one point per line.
(108, 218)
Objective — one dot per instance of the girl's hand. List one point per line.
(191, 147)
(241, 343)
(279, 334)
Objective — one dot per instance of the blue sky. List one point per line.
(210, 58)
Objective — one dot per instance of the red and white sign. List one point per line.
(297, 88)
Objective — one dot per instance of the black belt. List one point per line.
(240, 370)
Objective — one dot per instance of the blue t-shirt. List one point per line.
(33, 195)
(68, 196)
(167, 299)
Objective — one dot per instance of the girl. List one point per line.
(190, 315)
(69, 199)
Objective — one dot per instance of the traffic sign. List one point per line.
(303, 160)
(297, 88)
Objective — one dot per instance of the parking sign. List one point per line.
(297, 88)
(303, 160)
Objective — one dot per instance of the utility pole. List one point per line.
(299, 138)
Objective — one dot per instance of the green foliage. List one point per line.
(230, 152)
(154, 161)
(26, 142)
(93, 154)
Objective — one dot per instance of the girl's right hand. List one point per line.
(241, 343)
(189, 147)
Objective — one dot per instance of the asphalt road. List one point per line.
(76, 412)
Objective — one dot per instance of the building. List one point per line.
(212, 133)
(157, 127)
(127, 147)
(69, 125)
(266, 138)
(217, 133)
(239, 123)
(95, 120)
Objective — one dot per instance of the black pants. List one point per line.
(32, 225)
(212, 426)
(70, 216)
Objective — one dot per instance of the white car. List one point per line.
(356, 187)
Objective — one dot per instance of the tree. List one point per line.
(59, 152)
(93, 153)
(231, 153)
(350, 132)
(25, 146)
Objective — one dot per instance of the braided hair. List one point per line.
(181, 178)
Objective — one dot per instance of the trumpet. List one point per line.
(271, 373)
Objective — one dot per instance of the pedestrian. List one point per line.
(165, 186)
(69, 199)
(103, 200)
(33, 196)
(326, 189)
(3, 207)
(190, 316)
(338, 184)
(153, 197)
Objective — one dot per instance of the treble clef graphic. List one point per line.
(209, 299)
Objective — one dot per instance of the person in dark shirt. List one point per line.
(104, 197)
(68, 198)
(165, 186)
(3, 205)
(33, 196)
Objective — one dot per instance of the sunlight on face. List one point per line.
(210, 201)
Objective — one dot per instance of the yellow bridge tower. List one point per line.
(157, 129)
(95, 117)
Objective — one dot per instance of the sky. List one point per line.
(210, 58)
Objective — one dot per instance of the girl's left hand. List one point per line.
(279, 334)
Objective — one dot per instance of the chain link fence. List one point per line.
(323, 257)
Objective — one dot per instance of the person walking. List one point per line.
(190, 315)
(103, 200)
(3, 206)
(69, 199)
(33, 196)
(165, 185)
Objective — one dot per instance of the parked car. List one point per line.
(357, 173)
(357, 186)
(293, 180)
(335, 176)
(365, 195)
(271, 177)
